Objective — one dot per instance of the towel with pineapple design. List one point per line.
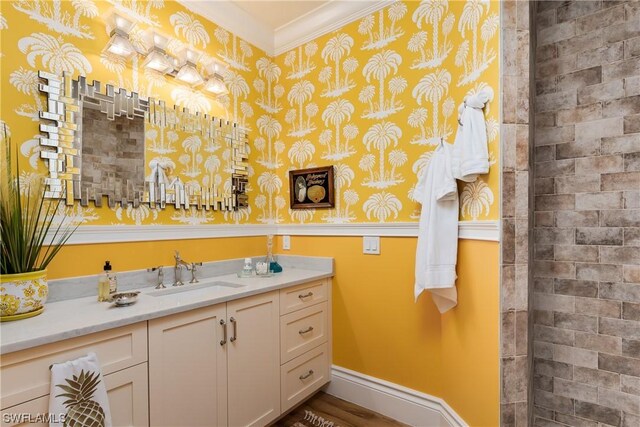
(79, 392)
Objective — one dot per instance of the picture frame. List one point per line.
(311, 188)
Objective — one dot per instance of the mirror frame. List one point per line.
(61, 145)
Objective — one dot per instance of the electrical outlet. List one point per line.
(286, 243)
(371, 245)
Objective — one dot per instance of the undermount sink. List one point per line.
(192, 287)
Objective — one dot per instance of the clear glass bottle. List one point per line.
(103, 286)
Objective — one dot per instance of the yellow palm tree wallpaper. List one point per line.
(373, 98)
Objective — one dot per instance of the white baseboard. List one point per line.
(392, 400)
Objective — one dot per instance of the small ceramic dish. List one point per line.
(123, 299)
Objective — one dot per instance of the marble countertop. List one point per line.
(81, 316)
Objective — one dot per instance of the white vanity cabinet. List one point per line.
(240, 363)
(122, 353)
(216, 365)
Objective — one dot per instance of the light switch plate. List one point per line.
(371, 245)
(286, 243)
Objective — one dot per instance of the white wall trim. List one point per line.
(392, 400)
(473, 230)
(325, 19)
(87, 234)
(229, 16)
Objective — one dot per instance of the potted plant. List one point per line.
(30, 239)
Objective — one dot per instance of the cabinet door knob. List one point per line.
(305, 331)
(224, 332)
(307, 295)
(235, 329)
(307, 375)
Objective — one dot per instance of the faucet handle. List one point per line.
(177, 255)
(194, 279)
(160, 285)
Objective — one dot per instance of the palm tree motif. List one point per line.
(343, 175)
(336, 48)
(278, 147)
(50, 13)
(476, 199)
(301, 67)
(235, 55)
(192, 216)
(300, 93)
(138, 215)
(270, 183)
(190, 28)
(430, 13)
(194, 100)
(472, 14)
(325, 139)
(379, 67)
(238, 88)
(367, 163)
(336, 113)
(366, 96)
(270, 71)
(381, 136)
(397, 158)
(26, 81)
(301, 152)
(140, 11)
(31, 149)
(212, 165)
(301, 215)
(349, 132)
(247, 113)
(417, 119)
(386, 34)
(381, 206)
(192, 145)
(56, 56)
(461, 56)
(238, 216)
(350, 198)
(433, 87)
(3, 22)
(154, 80)
(271, 128)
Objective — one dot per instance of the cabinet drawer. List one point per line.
(26, 376)
(305, 295)
(303, 376)
(302, 330)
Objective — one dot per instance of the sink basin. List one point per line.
(193, 287)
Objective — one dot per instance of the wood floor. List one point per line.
(323, 407)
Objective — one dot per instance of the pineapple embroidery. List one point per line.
(82, 410)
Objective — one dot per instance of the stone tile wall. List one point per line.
(587, 214)
(517, 217)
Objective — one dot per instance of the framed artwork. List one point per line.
(311, 188)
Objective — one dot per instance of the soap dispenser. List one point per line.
(111, 275)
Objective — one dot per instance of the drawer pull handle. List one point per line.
(224, 332)
(307, 295)
(235, 329)
(307, 375)
(305, 331)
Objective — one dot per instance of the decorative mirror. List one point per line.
(119, 145)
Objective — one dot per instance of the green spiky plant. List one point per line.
(26, 220)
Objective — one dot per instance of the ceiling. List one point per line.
(276, 14)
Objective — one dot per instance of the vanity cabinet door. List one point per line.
(188, 369)
(254, 360)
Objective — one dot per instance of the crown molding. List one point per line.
(87, 234)
(232, 18)
(322, 20)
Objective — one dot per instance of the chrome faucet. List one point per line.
(160, 285)
(194, 279)
(177, 269)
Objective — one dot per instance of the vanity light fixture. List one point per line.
(119, 43)
(157, 59)
(215, 83)
(188, 72)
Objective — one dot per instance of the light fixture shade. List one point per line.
(189, 74)
(215, 84)
(119, 44)
(157, 60)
